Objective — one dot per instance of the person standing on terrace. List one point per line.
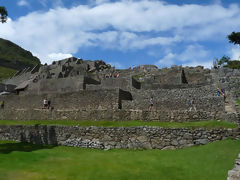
(150, 104)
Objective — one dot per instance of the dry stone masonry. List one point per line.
(234, 174)
(116, 137)
(94, 90)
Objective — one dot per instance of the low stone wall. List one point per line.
(110, 115)
(234, 174)
(116, 137)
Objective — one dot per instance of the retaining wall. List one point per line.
(205, 97)
(234, 174)
(103, 99)
(110, 115)
(116, 137)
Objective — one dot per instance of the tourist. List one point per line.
(219, 92)
(49, 104)
(223, 94)
(2, 104)
(107, 76)
(192, 105)
(150, 104)
(115, 75)
(45, 103)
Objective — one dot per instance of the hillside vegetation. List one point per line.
(14, 57)
(6, 73)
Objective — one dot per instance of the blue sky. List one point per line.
(125, 33)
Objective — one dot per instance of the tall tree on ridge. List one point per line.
(4, 14)
(234, 38)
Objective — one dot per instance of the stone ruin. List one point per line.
(93, 90)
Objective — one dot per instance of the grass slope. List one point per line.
(15, 57)
(34, 162)
(202, 124)
(6, 73)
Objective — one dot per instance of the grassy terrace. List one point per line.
(202, 124)
(35, 162)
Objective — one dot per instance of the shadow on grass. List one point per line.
(23, 147)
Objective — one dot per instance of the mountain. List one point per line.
(5, 73)
(14, 57)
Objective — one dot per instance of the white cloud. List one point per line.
(57, 56)
(193, 52)
(121, 25)
(167, 60)
(49, 58)
(235, 53)
(23, 3)
(116, 65)
(206, 64)
(193, 55)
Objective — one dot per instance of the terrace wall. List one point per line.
(116, 137)
(113, 115)
(234, 174)
(103, 99)
(205, 97)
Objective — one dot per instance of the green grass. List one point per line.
(6, 73)
(34, 162)
(238, 102)
(203, 124)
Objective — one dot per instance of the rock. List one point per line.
(107, 148)
(169, 148)
(202, 141)
(142, 139)
(174, 142)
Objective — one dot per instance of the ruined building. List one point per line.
(93, 90)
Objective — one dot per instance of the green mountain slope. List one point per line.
(6, 73)
(14, 57)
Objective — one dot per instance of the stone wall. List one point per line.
(105, 99)
(112, 83)
(116, 137)
(61, 85)
(109, 114)
(2, 87)
(206, 99)
(234, 174)
(20, 78)
(204, 104)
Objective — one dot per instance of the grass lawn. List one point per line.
(202, 124)
(20, 161)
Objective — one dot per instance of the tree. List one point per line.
(223, 60)
(4, 14)
(234, 38)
